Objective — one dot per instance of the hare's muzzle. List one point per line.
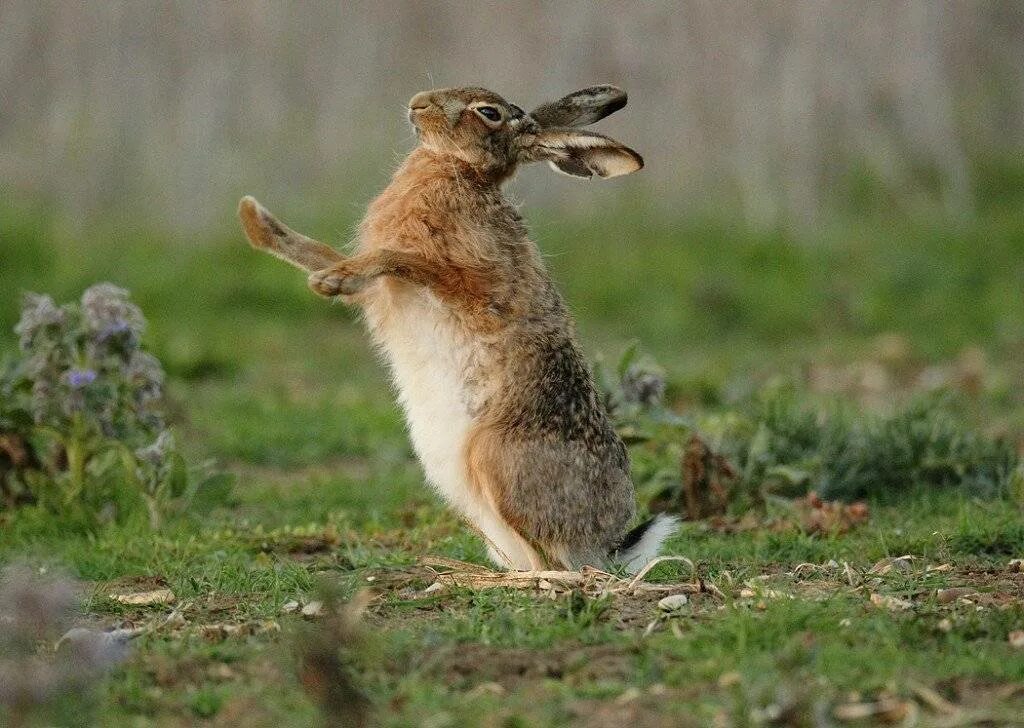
(420, 101)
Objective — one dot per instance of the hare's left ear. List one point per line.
(583, 153)
(580, 108)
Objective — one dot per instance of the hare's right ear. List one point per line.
(583, 153)
(580, 108)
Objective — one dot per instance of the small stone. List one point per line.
(628, 696)
(290, 606)
(945, 596)
(175, 620)
(1015, 565)
(899, 563)
(146, 598)
(486, 688)
(1016, 639)
(221, 671)
(673, 602)
(729, 679)
(945, 625)
(213, 632)
(313, 609)
(92, 640)
(902, 563)
(893, 603)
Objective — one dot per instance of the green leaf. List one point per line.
(628, 357)
(177, 477)
(212, 491)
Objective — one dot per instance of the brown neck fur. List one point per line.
(443, 207)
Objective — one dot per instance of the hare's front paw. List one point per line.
(337, 281)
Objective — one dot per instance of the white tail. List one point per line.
(643, 542)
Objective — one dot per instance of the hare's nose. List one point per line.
(421, 100)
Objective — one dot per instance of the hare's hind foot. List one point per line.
(505, 546)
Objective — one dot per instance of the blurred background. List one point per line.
(833, 190)
(776, 111)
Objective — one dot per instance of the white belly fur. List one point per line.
(428, 358)
(431, 359)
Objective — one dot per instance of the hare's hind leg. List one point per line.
(506, 546)
(570, 504)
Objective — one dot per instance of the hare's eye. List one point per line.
(489, 112)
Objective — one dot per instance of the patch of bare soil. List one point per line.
(129, 584)
(168, 678)
(643, 611)
(634, 613)
(300, 544)
(472, 664)
(1002, 584)
(634, 709)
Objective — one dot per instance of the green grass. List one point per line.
(428, 655)
(283, 390)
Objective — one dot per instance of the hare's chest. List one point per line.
(435, 366)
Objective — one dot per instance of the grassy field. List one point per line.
(781, 626)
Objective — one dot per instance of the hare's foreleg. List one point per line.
(266, 232)
(353, 274)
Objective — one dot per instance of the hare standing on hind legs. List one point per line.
(500, 403)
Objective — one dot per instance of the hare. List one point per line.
(500, 403)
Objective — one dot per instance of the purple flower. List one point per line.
(38, 315)
(78, 378)
(108, 312)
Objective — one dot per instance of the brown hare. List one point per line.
(500, 403)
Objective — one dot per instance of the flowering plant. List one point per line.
(86, 392)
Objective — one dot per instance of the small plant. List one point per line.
(779, 445)
(84, 400)
(789, 448)
(634, 387)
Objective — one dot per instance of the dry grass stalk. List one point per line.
(591, 581)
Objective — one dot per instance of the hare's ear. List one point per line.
(584, 153)
(581, 108)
